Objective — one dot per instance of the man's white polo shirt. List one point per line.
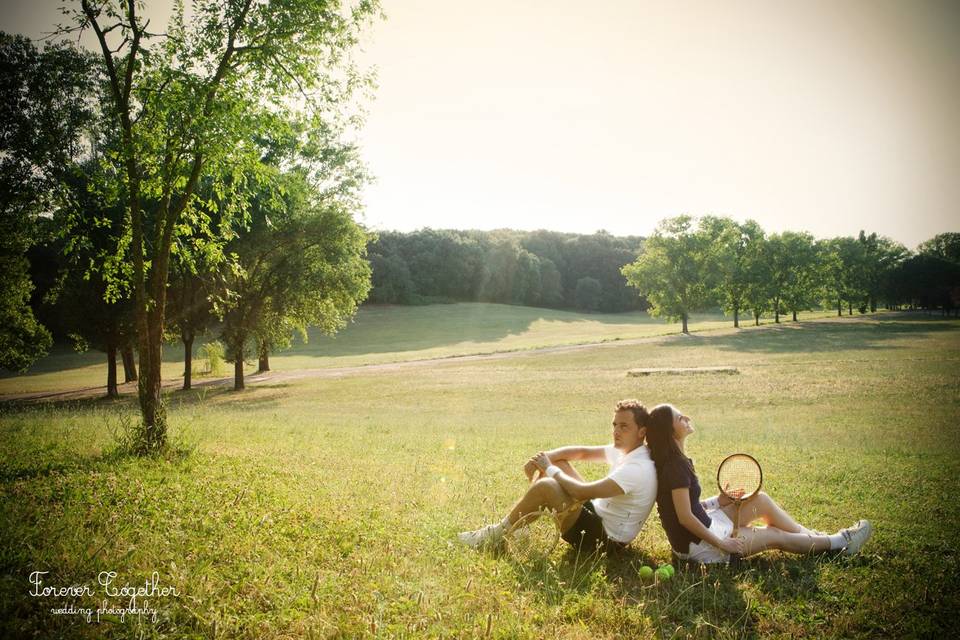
(623, 516)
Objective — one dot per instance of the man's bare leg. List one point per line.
(545, 493)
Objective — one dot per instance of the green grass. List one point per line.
(328, 507)
(381, 334)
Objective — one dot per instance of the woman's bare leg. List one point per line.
(762, 507)
(756, 540)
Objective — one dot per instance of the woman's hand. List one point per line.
(732, 545)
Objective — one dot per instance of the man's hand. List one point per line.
(530, 468)
(542, 461)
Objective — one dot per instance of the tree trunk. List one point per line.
(187, 359)
(112, 391)
(129, 363)
(264, 356)
(794, 316)
(873, 304)
(238, 374)
(839, 308)
(154, 413)
(756, 319)
(849, 308)
(736, 318)
(685, 324)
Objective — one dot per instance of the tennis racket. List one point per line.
(533, 537)
(739, 477)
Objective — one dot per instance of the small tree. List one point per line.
(758, 293)
(189, 305)
(301, 263)
(98, 311)
(830, 274)
(673, 270)
(730, 247)
(796, 271)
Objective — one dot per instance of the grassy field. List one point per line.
(329, 507)
(381, 334)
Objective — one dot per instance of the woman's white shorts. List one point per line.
(704, 552)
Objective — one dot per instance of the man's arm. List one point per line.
(577, 489)
(580, 491)
(588, 454)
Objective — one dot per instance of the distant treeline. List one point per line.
(687, 265)
(536, 268)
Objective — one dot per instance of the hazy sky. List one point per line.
(827, 117)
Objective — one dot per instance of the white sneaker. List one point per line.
(488, 537)
(856, 536)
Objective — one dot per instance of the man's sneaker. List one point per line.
(488, 537)
(856, 536)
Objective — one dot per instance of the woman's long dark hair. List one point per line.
(663, 446)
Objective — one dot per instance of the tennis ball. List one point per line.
(646, 573)
(669, 569)
(663, 574)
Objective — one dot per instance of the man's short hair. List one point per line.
(640, 413)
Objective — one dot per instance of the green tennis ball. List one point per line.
(646, 573)
(663, 574)
(669, 569)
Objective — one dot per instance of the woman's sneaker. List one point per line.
(856, 536)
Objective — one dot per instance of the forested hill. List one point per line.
(536, 268)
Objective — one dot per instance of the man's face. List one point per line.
(627, 435)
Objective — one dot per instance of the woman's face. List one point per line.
(682, 425)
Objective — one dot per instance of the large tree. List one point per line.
(193, 104)
(673, 270)
(43, 111)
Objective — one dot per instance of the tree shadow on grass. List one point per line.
(814, 336)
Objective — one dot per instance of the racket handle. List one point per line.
(735, 557)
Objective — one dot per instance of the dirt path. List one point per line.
(339, 372)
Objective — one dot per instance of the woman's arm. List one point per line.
(681, 502)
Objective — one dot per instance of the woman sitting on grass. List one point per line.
(700, 531)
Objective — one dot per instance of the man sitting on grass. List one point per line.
(605, 515)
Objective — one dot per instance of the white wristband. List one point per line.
(553, 470)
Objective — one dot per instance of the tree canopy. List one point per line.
(43, 110)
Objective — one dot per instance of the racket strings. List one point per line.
(739, 476)
(533, 537)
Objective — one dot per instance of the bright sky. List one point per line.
(824, 116)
